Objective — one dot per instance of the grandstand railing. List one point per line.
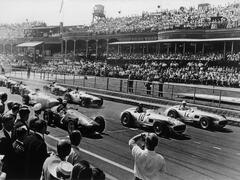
(170, 91)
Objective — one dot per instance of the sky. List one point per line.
(79, 12)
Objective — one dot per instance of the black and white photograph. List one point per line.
(119, 90)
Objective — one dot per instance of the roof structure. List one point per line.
(30, 44)
(175, 40)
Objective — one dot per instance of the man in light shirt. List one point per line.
(148, 165)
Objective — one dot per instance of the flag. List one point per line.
(61, 8)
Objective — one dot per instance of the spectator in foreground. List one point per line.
(75, 154)
(147, 163)
(97, 174)
(36, 151)
(63, 150)
(81, 171)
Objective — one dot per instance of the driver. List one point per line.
(62, 107)
(184, 106)
(139, 108)
(76, 90)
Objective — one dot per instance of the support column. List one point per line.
(168, 49)
(143, 48)
(86, 48)
(184, 46)
(11, 48)
(34, 55)
(43, 51)
(147, 49)
(107, 47)
(175, 50)
(195, 48)
(62, 43)
(203, 48)
(133, 48)
(232, 47)
(118, 48)
(224, 48)
(96, 48)
(130, 49)
(74, 47)
(65, 48)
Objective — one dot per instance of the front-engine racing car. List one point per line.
(82, 98)
(69, 119)
(72, 119)
(188, 114)
(56, 89)
(159, 123)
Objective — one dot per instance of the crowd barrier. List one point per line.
(215, 96)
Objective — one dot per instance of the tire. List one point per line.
(70, 126)
(84, 103)
(161, 129)
(25, 99)
(205, 123)
(68, 98)
(126, 119)
(47, 117)
(100, 103)
(101, 122)
(173, 114)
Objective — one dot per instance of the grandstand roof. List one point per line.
(30, 44)
(175, 40)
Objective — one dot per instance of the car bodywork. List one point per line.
(56, 89)
(82, 98)
(193, 115)
(160, 123)
(72, 119)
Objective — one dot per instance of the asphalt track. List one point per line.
(198, 155)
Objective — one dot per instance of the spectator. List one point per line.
(130, 83)
(147, 163)
(6, 148)
(63, 150)
(36, 151)
(97, 174)
(75, 154)
(148, 85)
(81, 171)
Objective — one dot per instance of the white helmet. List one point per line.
(184, 102)
(37, 107)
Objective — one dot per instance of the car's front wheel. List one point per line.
(126, 119)
(84, 103)
(173, 113)
(100, 103)
(205, 123)
(161, 129)
(101, 124)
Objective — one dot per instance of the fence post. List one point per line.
(95, 82)
(48, 75)
(73, 79)
(194, 95)
(21, 73)
(64, 78)
(83, 81)
(120, 85)
(153, 89)
(107, 82)
(172, 92)
(220, 97)
(135, 90)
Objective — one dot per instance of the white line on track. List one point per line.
(99, 157)
(118, 131)
(238, 154)
(196, 142)
(218, 148)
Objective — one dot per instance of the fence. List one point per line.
(169, 91)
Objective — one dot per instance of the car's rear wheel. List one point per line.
(126, 119)
(101, 124)
(173, 114)
(70, 126)
(68, 98)
(100, 103)
(205, 123)
(161, 129)
(84, 103)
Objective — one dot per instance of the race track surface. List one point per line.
(198, 155)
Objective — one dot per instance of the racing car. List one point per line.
(2, 80)
(159, 123)
(56, 89)
(82, 98)
(188, 114)
(72, 119)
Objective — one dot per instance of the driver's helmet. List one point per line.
(184, 103)
(77, 89)
(64, 102)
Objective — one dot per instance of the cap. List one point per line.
(24, 109)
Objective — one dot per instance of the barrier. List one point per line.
(167, 91)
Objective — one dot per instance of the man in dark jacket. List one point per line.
(6, 148)
(36, 151)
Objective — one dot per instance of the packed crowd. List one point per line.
(197, 72)
(24, 153)
(184, 18)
